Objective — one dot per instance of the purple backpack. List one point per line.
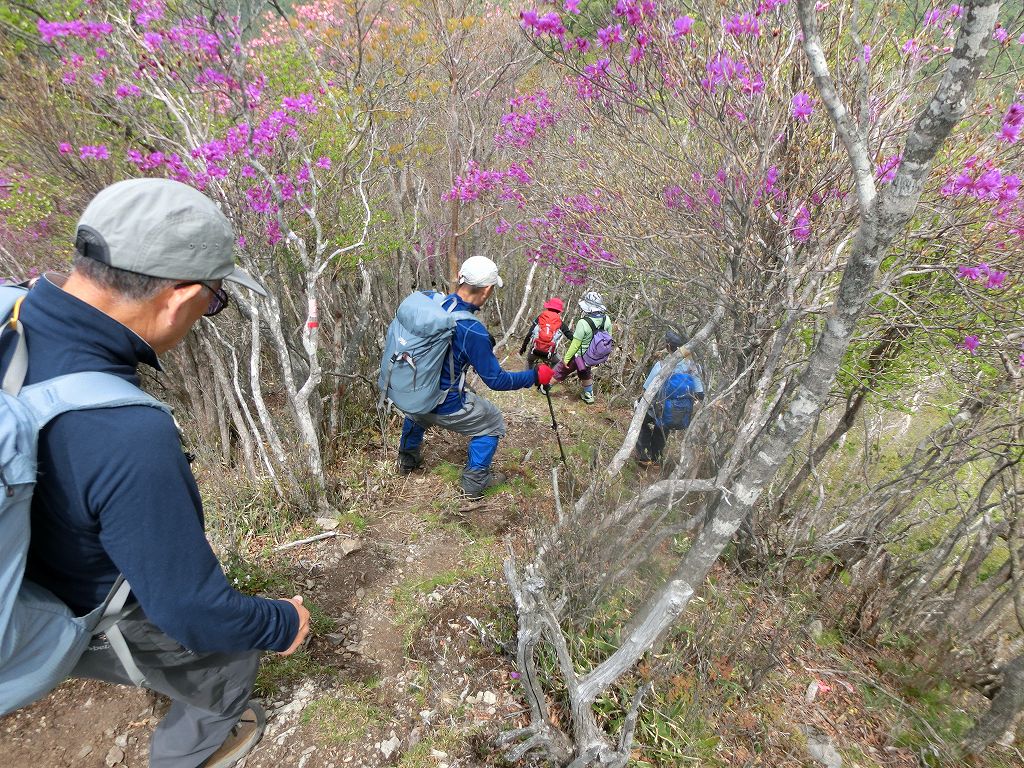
(600, 344)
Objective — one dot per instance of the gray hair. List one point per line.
(129, 285)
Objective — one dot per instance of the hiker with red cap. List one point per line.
(544, 334)
(589, 347)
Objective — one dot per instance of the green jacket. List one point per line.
(582, 336)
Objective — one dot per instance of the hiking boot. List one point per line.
(587, 397)
(409, 462)
(475, 481)
(243, 737)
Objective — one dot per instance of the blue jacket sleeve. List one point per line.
(141, 489)
(476, 343)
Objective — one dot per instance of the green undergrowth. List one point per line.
(477, 561)
(278, 671)
(346, 716)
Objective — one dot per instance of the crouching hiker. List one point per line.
(590, 346)
(114, 495)
(430, 344)
(672, 407)
(544, 334)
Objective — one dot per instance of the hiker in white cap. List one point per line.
(590, 345)
(452, 406)
(115, 494)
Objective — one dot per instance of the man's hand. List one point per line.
(545, 374)
(300, 636)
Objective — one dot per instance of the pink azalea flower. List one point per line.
(682, 26)
(323, 162)
(65, 148)
(996, 279)
(609, 35)
(803, 106)
(572, 6)
(970, 343)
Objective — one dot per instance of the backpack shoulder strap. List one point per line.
(81, 392)
(593, 328)
(17, 368)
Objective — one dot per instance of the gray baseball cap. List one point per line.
(160, 228)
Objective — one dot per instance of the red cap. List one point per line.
(556, 304)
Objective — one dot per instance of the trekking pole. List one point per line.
(554, 426)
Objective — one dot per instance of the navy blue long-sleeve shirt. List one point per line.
(115, 494)
(472, 347)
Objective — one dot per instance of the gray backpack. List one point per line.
(41, 640)
(418, 344)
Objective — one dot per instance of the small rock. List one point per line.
(327, 523)
(820, 748)
(336, 638)
(426, 714)
(121, 741)
(816, 629)
(114, 756)
(437, 754)
(84, 752)
(360, 593)
(389, 747)
(489, 697)
(812, 691)
(348, 546)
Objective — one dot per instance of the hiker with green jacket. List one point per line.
(590, 345)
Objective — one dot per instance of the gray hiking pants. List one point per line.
(479, 418)
(209, 691)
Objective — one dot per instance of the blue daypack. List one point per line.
(419, 342)
(674, 405)
(41, 640)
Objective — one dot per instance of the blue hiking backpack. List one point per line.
(41, 640)
(419, 342)
(674, 406)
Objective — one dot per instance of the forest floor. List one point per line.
(406, 667)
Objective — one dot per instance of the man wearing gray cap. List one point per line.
(115, 493)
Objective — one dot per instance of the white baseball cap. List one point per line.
(479, 271)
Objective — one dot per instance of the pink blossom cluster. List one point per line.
(993, 278)
(549, 23)
(742, 25)
(79, 28)
(635, 11)
(766, 6)
(568, 237)
(802, 107)
(723, 70)
(530, 114)
(608, 36)
(682, 26)
(477, 181)
(937, 16)
(885, 171)
(983, 181)
(1012, 122)
(94, 152)
(801, 230)
(145, 12)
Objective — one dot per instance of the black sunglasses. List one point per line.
(218, 301)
